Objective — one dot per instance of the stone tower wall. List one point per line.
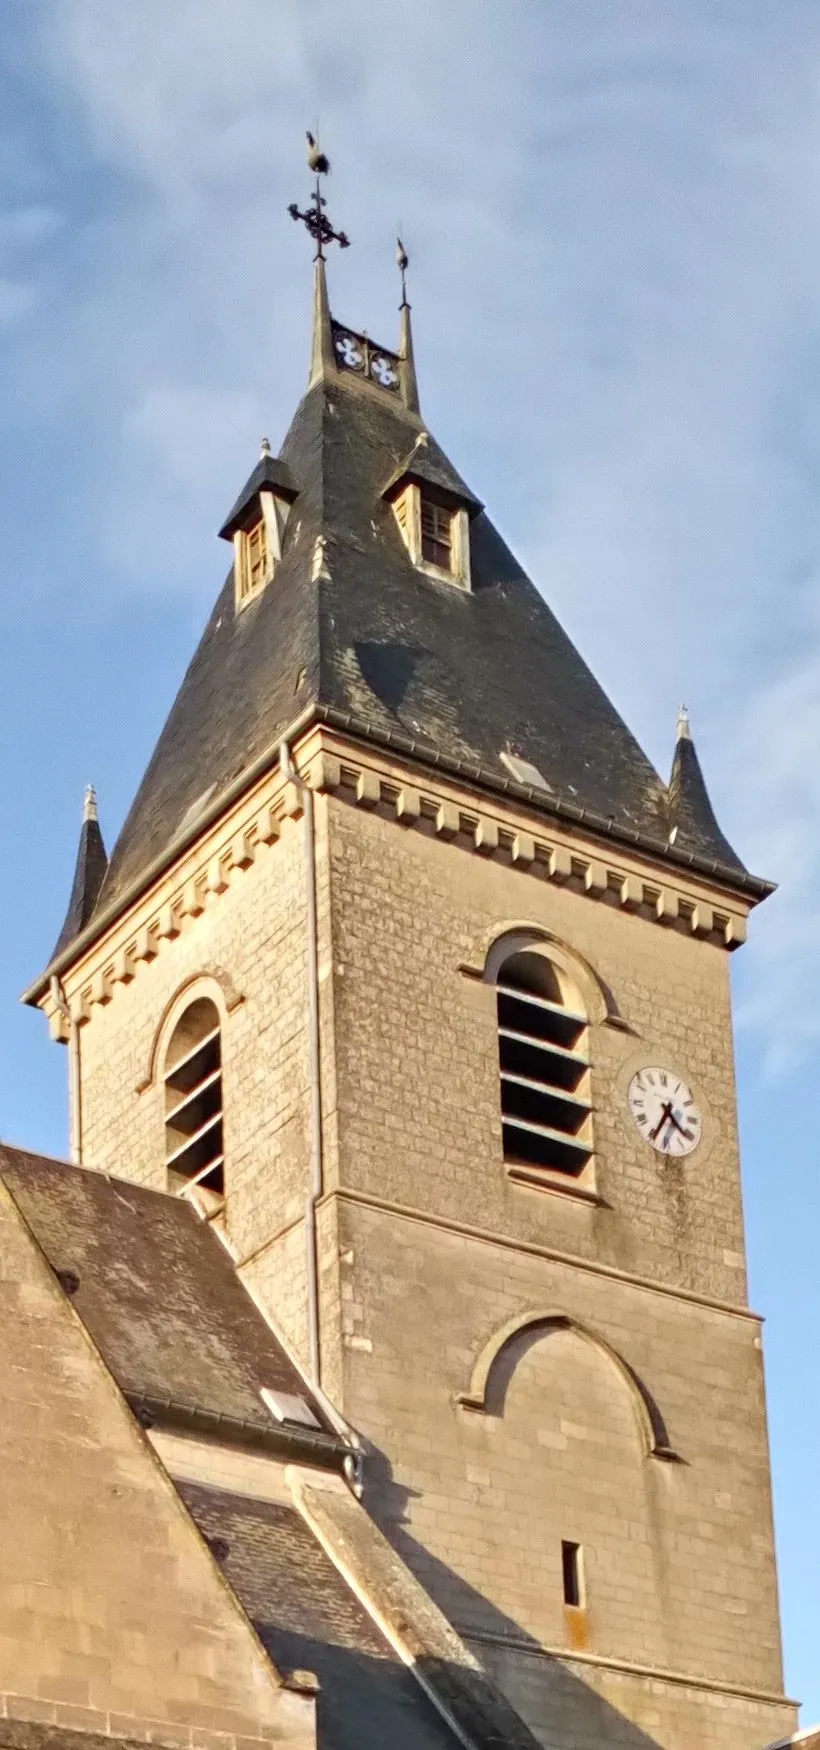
(246, 949)
(624, 1411)
(442, 1253)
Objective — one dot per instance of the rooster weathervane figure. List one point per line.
(314, 218)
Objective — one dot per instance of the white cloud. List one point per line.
(178, 436)
(614, 222)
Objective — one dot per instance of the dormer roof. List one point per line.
(271, 474)
(427, 466)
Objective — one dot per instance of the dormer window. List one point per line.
(256, 526)
(253, 561)
(436, 534)
(433, 509)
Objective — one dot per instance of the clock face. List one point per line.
(665, 1111)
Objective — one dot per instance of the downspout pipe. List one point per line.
(75, 1119)
(291, 775)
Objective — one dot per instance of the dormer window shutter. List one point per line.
(253, 562)
(437, 533)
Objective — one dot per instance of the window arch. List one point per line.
(192, 1077)
(543, 1050)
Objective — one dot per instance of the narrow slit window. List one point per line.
(436, 534)
(573, 1574)
(544, 1068)
(193, 1103)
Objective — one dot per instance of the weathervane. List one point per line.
(402, 263)
(315, 219)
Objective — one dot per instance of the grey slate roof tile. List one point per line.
(308, 1618)
(461, 676)
(269, 472)
(89, 874)
(427, 463)
(690, 807)
(156, 1290)
(32, 1735)
(161, 1301)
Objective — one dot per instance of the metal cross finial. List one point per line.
(314, 218)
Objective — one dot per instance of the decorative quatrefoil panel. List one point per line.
(354, 352)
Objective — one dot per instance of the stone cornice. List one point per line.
(560, 808)
(507, 832)
(741, 889)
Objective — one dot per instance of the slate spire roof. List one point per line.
(366, 641)
(691, 815)
(89, 873)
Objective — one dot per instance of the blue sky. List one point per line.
(613, 213)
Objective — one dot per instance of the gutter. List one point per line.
(601, 824)
(310, 1444)
(75, 1112)
(314, 1049)
(739, 880)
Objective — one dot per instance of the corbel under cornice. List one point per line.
(332, 766)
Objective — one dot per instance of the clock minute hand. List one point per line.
(665, 1116)
(678, 1126)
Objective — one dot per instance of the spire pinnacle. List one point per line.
(691, 817)
(264, 449)
(409, 384)
(321, 351)
(89, 873)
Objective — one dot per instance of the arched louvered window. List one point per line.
(193, 1101)
(544, 1063)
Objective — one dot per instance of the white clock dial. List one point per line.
(665, 1111)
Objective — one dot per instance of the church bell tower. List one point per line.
(412, 974)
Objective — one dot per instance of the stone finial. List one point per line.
(684, 732)
(90, 803)
(402, 262)
(264, 449)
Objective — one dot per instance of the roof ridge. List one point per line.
(477, 1711)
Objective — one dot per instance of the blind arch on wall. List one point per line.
(650, 1418)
